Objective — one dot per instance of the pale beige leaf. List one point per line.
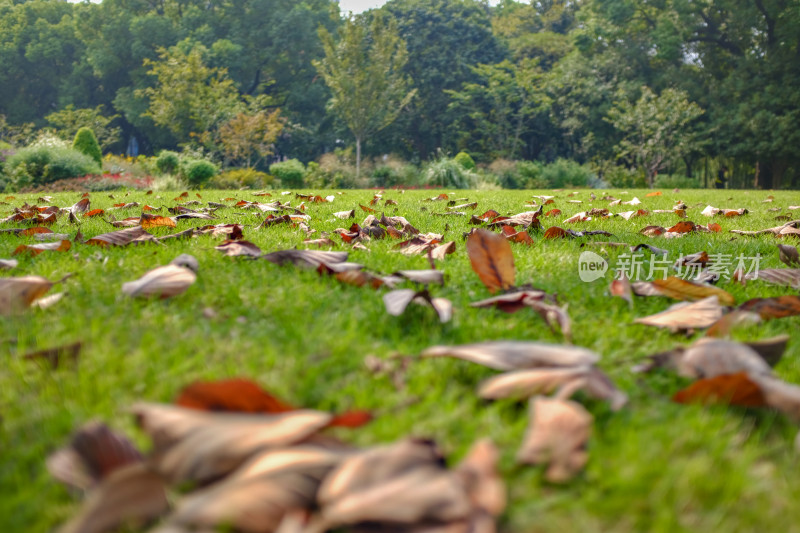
(163, 282)
(514, 355)
(710, 357)
(479, 475)
(527, 383)
(686, 316)
(557, 436)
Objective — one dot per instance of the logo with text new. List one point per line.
(591, 266)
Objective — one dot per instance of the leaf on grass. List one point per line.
(652, 231)
(8, 264)
(397, 301)
(789, 277)
(54, 356)
(261, 495)
(239, 248)
(514, 355)
(345, 214)
(654, 193)
(443, 250)
(681, 289)
(553, 315)
(305, 258)
(323, 242)
(132, 495)
(81, 206)
(554, 232)
(162, 282)
(36, 249)
(236, 394)
(709, 357)
(523, 384)
(789, 255)
(492, 259)
(399, 484)
(738, 317)
(424, 277)
(17, 294)
(777, 307)
(684, 226)
(36, 230)
(94, 453)
(148, 221)
(726, 389)
(686, 316)
(93, 213)
(191, 445)
(557, 435)
(622, 288)
(518, 236)
(122, 237)
(513, 301)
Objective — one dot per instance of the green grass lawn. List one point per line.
(654, 466)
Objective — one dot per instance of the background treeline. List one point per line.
(546, 93)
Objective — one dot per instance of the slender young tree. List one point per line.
(363, 71)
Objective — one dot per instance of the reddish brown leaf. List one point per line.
(553, 213)
(684, 226)
(94, 213)
(725, 389)
(653, 231)
(81, 207)
(235, 394)
(17, 294)
(555, 232)
(235, 248)
(716, 228)
(367, 209)
(778, 307)
(492, 259)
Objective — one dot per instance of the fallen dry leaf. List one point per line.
(163, 282)
(397, 301)
(239, 248)
(131, 495)
(17, 294)
(557, 436)
(492, 259)
(148, 221)
(726, 389)
(686, 316)
(122, 237)
(789, 277)
(515, 355)
(54, 356)
(681, 289)
(36, 249)
(777, 307)
(305, 258)
(789, 255)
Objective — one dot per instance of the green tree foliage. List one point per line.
(86, 143)
(363, 70)
(250, 137)
(69, 120)
(656, 129)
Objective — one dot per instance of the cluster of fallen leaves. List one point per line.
(229, 454)
(255, 464)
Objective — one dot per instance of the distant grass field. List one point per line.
(654, 466)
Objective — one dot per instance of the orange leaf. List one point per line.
(553, 213)
(656, 193)
(492, 259)
(725, 389)
(367, 209)
(32, 231)
(548, 202)
(351, 419)
(153, 221)
(681, 289)
(94, 213)
(716, 228)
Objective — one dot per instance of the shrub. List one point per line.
(623, 178)
(198, 171)
(566, 173)
(239, 178)
(168, 162)
(291, 172)
(446, 172)
(39, 164)
(530, 174)
(465, 160)
(392, 171)
(86, 143)
(676, 181)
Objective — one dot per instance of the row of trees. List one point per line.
(665, 86)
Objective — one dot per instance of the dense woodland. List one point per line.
(660, 86)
